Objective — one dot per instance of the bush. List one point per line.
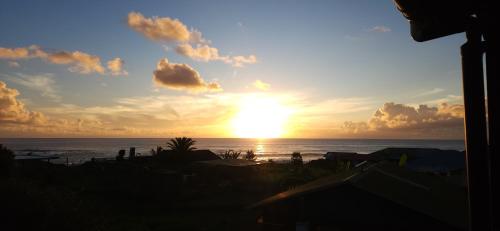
(121, 155)
(250, 155)
(230, 154)
(6, 160)
(297, 158)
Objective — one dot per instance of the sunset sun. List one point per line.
(260, 117)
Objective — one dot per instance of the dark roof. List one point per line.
(420, 192)
(229, 162)
(424, 159)
(203, 154)
(346, 156)
(195, 155)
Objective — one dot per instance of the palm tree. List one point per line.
(181, 144)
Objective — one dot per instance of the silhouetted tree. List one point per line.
(250, 155)
(230, 154)
(297, 158)
(6, 161)
(181, 144)
(121, 155)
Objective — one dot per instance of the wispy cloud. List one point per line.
(429, 92)
(78, 61)
(451, 99)
(337, 106)
(43, 83)
(261, 85)
(380, 29)
(209, 115)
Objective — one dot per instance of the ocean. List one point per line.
(79, 150)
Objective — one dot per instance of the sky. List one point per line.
(291, 69)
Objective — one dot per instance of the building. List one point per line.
(382, 196)
(351, 158)
(424, 159)
(192, 156)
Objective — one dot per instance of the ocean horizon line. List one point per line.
(239, 138)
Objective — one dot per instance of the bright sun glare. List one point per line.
(260, 117)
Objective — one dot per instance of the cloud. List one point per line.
(14, 53)
(200, 53)
(197, 38)
(181, 77)
(207, 53)
(240, 61)
(190, 42)
(144, 116)
(355, 127)
(13, 111)
(381, 29)
(127, 118)
(164, 29)
(449, 99)
(17, 121)
(32, 51)
(404, 121)
(159, 29)
(14, 64)
(79, 61)
(43, 83)
(116, 67)
(261, 85)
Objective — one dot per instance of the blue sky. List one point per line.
(312, 54)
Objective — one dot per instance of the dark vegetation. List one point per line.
(6, 161)
(296, 159)
(181, 144)
(250, 155)
(230, 154)
(165, 191)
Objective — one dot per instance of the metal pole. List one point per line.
(477, 164)
(493, 88)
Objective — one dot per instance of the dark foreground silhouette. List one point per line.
(176, 191)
